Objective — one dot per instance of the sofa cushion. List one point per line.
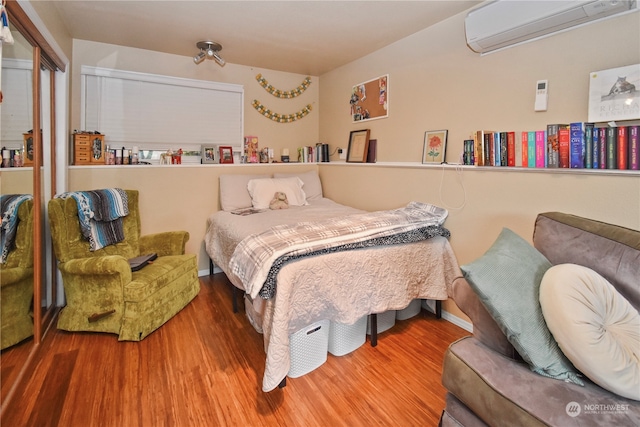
(485, 327)
(154, 276)
(611, 250)
(507, 280)
(596, 328)
(503, 392)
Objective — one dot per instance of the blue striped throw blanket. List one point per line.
(100, 213)
(9, 204)
(254, 255)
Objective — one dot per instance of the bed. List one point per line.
(339, 285)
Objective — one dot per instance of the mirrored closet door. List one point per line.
(29, 69)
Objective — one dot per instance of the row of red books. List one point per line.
(578, 145)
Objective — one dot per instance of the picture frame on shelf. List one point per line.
(434, 149)
(613, 93)
(358, 146)
(208, 154)
(226, 154)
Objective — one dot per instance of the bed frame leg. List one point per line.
(210, 267)
(283, 383)
(374, 329)
(234, 298)
(438, 309)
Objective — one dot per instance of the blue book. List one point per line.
(595, 152)
(531, 145)
(496, 149)
(576, 145)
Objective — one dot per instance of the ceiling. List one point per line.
(305, 37)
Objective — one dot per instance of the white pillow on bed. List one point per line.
(263, 190)
(312, 186)
(233, 191)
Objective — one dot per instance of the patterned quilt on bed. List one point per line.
(268, 290)
(255, 255)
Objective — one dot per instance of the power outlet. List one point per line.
(342, 153)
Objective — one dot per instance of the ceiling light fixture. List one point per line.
(209, 50)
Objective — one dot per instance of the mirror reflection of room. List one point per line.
(16, 187)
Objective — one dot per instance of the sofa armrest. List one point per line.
(485, 329)
(166, 243)
(98, 266)
(10, 276)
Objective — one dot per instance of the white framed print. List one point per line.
(614, 94)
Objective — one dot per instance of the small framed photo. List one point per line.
(208, 153)
(435, 146)
(358, 146)
(226, 154)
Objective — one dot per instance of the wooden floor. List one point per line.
(204, 368)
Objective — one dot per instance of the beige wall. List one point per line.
(16, 181)
(49, 15)
(271, 134)
(482, 201)
(437, 82)
(173, 197)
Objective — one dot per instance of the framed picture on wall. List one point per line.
(370, 100)
(614, 94)
(434, 149)
(358, 146)
(226, 154)
(208, 153)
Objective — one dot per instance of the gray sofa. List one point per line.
(486, 380)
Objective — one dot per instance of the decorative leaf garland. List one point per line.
(280, 118)
(288, 94)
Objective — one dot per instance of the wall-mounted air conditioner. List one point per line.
(503, 23)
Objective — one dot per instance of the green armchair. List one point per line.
(16, 282)
(102, 293)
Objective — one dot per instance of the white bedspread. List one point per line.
(255, 254)
(341, 287)
(226, 230)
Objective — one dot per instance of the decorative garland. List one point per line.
(281, 93)
(280, 118)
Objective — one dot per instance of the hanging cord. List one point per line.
(458, 171)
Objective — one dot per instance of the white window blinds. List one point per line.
(17, 105)
(159, 112)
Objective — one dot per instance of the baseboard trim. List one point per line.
(467, 326)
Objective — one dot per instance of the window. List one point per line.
(159, 113)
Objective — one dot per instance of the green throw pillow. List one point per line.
(507, 281)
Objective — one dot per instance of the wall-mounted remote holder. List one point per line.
(542, 95)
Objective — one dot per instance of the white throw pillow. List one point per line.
(312, 186)
(263, 190)
(596, 327)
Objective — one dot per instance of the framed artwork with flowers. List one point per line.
(435, 146)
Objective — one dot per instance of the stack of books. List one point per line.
(310, 154)
(577, 145)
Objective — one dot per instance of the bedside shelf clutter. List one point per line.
(88, 149)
